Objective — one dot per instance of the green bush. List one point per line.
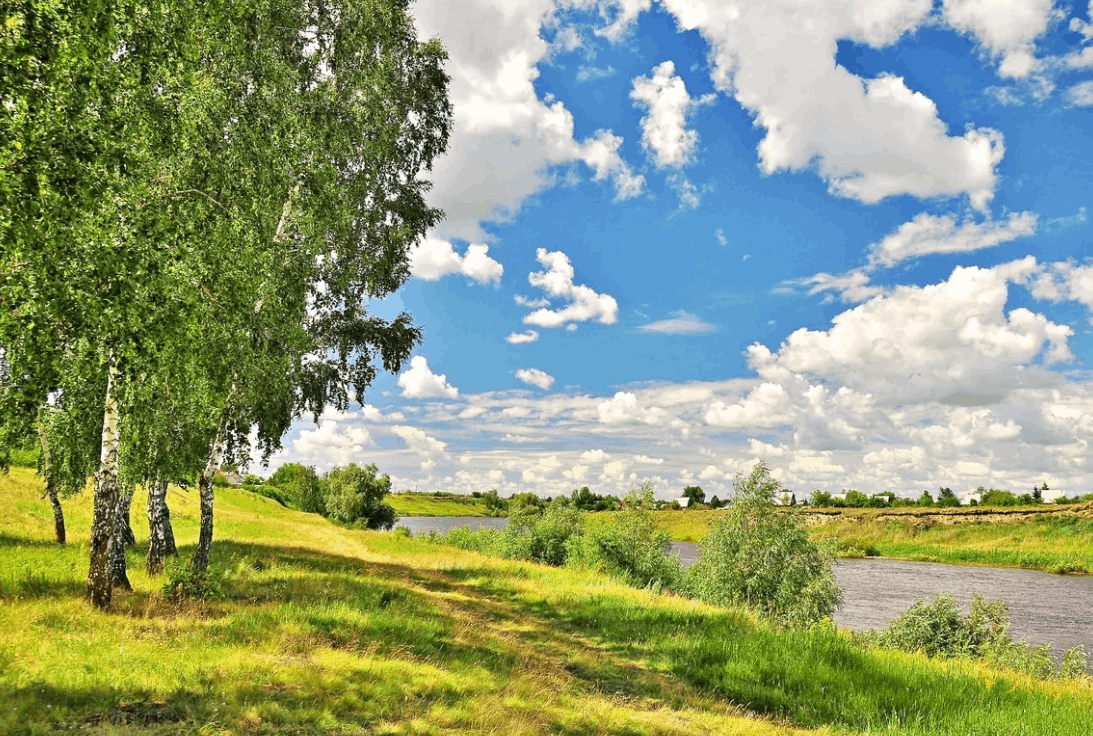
(628, 544)
(761, 557)
(938, 629)
(182, 581)
(271, 492)
(354, 495)
(541, 535)
(302, 485)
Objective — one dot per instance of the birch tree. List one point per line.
(222, 185)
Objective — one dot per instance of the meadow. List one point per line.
(1058, 543)
(323, 629)
(414, 504)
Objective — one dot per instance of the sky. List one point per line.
(850, 238)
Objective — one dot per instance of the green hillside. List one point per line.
(326, 630)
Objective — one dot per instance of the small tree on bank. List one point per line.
(354, 495)
(761, 557)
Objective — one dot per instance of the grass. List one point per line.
(420, 505)
(328, 630)
(1059, 543)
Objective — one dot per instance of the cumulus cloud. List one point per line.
(1005, 29)
(583, 305)
(522, 338)
(868, 138)
(621, 15)
(1081, 94)
(421, 383)
(767, 406)
(1066, 281)
(624, 408)
(333, 443)
(535, 377)
(506, 140)
(927, 234)
(928, 341)
(432, 259)
(664, 131)
(682, 324)
(853, 286)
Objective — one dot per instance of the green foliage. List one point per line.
(695, 493)
(938, 629)
(541, 535)
(925, 500)
(761, 557)
(495, 505)
(302, 485)
(585, 500)
(272, 492)
(183, 581)
(820, 499)
(946, 498)
(998, 497)
(856, 499)
(402, 532)
(354, 495)
(628, 544)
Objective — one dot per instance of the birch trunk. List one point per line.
(205, 491)
(161, 537)
(104, 520)
(51, 490)
(122, 530)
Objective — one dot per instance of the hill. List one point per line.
(327, 630)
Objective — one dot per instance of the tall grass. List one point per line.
(329, 630)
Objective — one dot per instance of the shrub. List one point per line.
(183, 581)
(997, 497)
(541, 535)
(271, 492)
(303, 487)
(402, 532)
(761, 557)
(946, 498)
(937, 627)
(628, 544)
(354, 495)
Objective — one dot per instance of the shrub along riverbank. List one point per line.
(328, 630)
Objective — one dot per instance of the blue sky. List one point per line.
(849, 238)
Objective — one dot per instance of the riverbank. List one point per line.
(328, 630)
(1057, 539)
(412, 504)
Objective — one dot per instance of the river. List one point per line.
(1043, 607)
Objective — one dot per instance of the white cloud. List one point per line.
(421, 383)
(928, 341)
(420, 442)
(432, 259)
(624, 408)
(1066, 281)
(767, 406)
(584, 304)
(333, 443)
(522, 338)
(1081, 94)
(869, 138)
(664, 131)
(927, 234)
(853, 286)
(719, 233)
(535, 377)
(590, 73)
(506, 141)
(1006, 28)
(595, 456)
(621, 20)
(682, 324)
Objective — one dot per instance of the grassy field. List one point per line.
(413, 505)
(327, 630)
(1060, 544)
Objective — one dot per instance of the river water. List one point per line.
(1043, 607)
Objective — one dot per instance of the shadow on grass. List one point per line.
(10, 540)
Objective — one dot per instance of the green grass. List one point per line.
(1059, 543)
(414, 505)
(328, 630)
